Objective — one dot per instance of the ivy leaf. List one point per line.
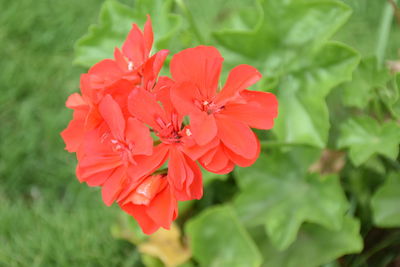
(218, 239)
(275, 192)
(315, 245)
(386, 202)
(367, 77)
(116, 20)
(303, 113)
(365, 137)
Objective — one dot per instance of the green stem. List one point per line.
(384, 32)
(160, 171)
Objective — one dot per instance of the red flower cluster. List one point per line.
(130, 136)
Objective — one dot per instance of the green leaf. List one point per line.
(390, 95)
(365, 137)
(278, 192)
(303, 113)
(208, 177)
(386, 202)
(218, 239)
(115, 23)
(208, 16)
(315, 245)
(367, 77)
(286, 30)
(286, 40)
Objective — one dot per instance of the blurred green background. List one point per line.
(47, 218)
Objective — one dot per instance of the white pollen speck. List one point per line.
(188, 132)
(205, 103)
(114, 141)
(130, 65)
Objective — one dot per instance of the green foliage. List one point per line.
(115, 22)
(303, 113)
(386, 202)
(365, 137)
(367, 78)
(279, 194)
(316, 245)
(217, 238)
(295, 206)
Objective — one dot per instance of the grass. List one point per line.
(46, 217)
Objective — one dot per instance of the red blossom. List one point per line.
(224, 115)
(140, 136)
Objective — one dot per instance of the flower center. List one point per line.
(124, 149)
(169, 132)
(208, 106)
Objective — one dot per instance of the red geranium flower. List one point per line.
(111, 148)
(151, 201)
(122, 101)
(224, 115)
(131, 68)
(133, 63)
(183, 173)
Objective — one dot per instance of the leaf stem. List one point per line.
(384, 32)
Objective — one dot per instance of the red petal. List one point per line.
(185, 176)
(195, 151)
(146, 190)
(163, 208)
(237, 136)
(73, 135)
(148, 35)
(259, 111)
(120, 59)
(93, 165)
(99, 178)
(241, 161)
(134, 46)
(183, 96)
(152, 67)
(139, 213)
(139, 134)
(195, 189)
(217, 161)
(176, 168)
(112, 186)
(162, 91)
(239, 79)
(75, 101)
(104, 73)
(227, 169)
(112, 114)
(204, 127)
(148, 164)
(200, 65)
(144, 106)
